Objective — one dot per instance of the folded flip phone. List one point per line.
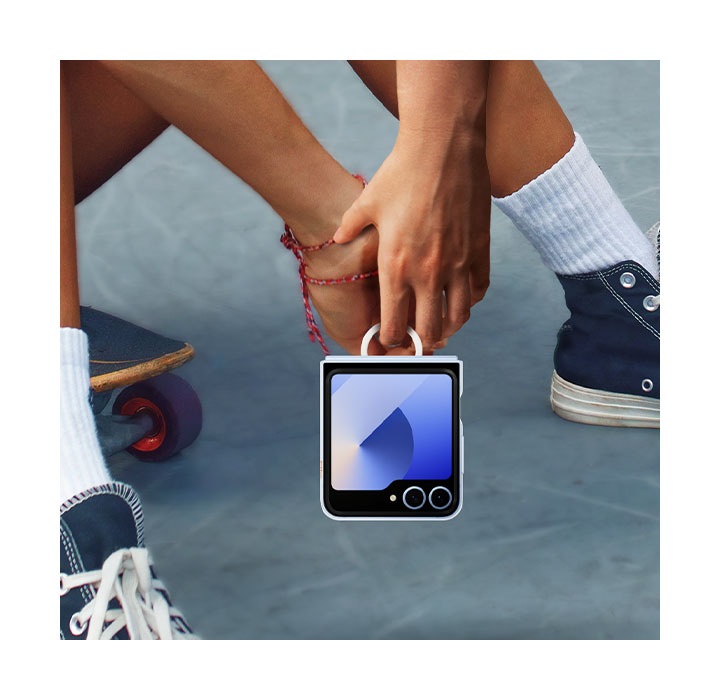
(391, 439)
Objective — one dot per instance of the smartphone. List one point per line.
(391, 439)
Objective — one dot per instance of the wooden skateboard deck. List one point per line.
(122, 353)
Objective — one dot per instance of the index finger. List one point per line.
(394, 302)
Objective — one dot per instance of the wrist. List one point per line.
(458, 114)
(440, 143)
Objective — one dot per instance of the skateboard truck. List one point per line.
(156, 414)
(117, 433)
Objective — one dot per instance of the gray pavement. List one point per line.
(559, 534)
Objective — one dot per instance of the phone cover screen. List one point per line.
(385, 427)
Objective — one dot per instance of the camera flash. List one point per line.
(393, 497)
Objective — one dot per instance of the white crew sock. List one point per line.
(574, 219)
(82, 465)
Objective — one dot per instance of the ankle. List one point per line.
(314, 233)
(82, 464)
(575, 220)
(325, 211)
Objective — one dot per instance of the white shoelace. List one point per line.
(144, 610)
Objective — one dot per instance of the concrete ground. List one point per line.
(559, 534)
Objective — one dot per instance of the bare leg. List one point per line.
(381, 79)
(102, 127)
(527, 130)
(235, 112)
(69, 293)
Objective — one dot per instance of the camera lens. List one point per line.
(440, 497)
(414, 497)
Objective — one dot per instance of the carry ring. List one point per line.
(371, 333)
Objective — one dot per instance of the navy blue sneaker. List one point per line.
(607, 358)
(108, 589)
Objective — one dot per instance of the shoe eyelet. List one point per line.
(650, 303)
(63, 587)
(647, 385)
(627, 280)
(76, 627)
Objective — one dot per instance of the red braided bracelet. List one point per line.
(289, 240)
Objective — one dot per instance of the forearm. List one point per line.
(441, 103)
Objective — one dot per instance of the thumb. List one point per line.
(354, 221)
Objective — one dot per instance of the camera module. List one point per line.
(440, 497)
(414, 497)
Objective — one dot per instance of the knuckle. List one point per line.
(392, 335)
(479, 291)
(394, 264)
(431, 276)
(431, 341)
(430, 336)
(457, 320)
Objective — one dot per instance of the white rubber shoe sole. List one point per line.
(596, 407)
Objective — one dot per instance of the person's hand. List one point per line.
(432, 218)
(429, 202)
(347, 310)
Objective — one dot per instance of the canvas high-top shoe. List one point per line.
(108, 589)
(607, 358)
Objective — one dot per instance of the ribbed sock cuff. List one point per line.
(574, 218)
(82, 465)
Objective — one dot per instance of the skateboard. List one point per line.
(156, 414)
